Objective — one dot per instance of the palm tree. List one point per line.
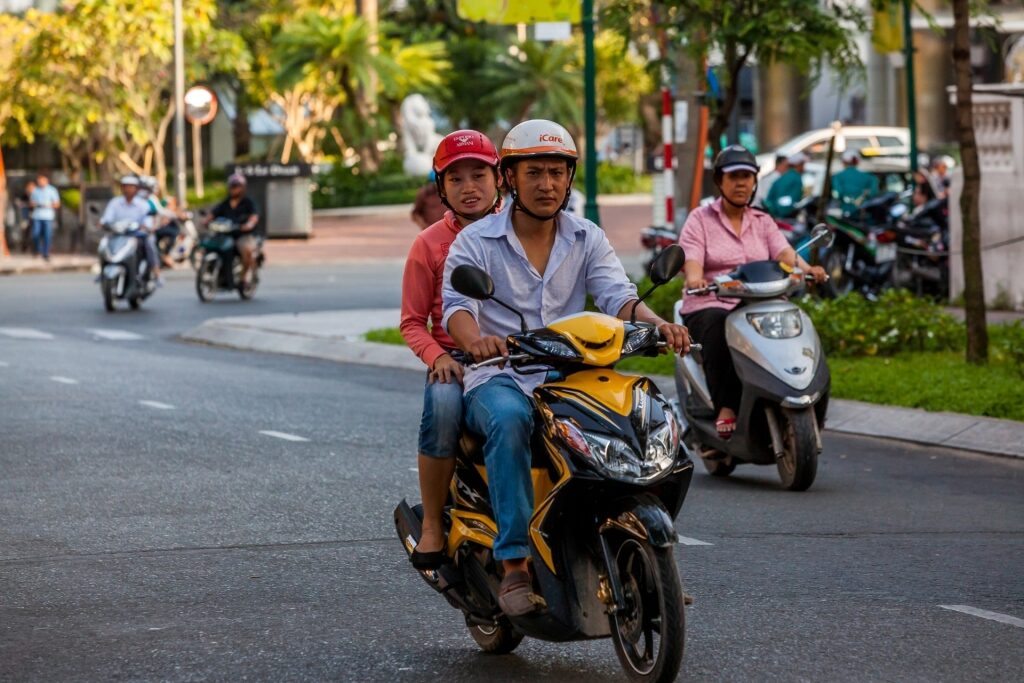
(535, 80)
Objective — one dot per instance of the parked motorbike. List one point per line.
(609, 479)
(782, 368)
(864, 251)
(124, 271)
(657, 239)
(922, 238)
(221, 266)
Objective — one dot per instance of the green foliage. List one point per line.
(853, 326)
(615, 179)
(535, 80)
(386, 335)
(347, 186)
(938, 381)
(664, 298)
(1006, 344)
(71, 198)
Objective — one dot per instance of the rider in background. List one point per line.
(717, 239)
(788, 190)
(240, 209)
(852, 185)
(466, 168)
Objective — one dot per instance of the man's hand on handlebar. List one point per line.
(487, 347)
(676, 337)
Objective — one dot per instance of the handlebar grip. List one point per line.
(699, 291)
(497, 360)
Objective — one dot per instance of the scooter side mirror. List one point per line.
(472, 282)
(668, 264)
(823, 232)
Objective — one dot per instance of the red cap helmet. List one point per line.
(464, 144)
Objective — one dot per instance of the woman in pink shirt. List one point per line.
(466, 168)
(717, 239)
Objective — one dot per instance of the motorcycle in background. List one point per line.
(221, 265)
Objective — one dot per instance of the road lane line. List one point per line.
(686, 540)
(157, 404)
(115, 335)
(283, 435)
(4, 364)
(63, 380)
(985, 614)
(25, 333)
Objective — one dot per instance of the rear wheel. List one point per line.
(135, 302)
(799, 462)
(497, 639)
(247, 291)
(650, 632)
(107, 287)
(206, 279)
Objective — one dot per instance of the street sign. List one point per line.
(519, 12)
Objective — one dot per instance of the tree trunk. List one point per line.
(974, 283)
(240, 128)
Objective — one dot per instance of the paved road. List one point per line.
(150, 528)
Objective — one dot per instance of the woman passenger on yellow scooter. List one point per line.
(466, 169)
(719, 238)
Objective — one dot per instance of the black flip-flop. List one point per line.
(428, 561)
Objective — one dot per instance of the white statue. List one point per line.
(419, 136)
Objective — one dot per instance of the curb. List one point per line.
(984, 435)
(41, 269)
(386, 209)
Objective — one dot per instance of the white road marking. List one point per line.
(116, 335)
(686, 540)
(985, 614)
(283, 435)
(157, 404)
(63, 380)
(4, 364)
(414, 469)
(25, 333)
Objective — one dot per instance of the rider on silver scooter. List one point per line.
(717, 239)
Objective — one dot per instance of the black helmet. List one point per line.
(735, 158)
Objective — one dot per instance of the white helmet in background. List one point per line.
(533, 139)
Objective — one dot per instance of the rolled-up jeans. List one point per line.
(499, 411)
(441, 423)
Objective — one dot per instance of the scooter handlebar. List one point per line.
(702, 291)
(498, 360)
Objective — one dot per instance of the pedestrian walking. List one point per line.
(44, 201)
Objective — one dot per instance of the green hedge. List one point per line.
(614, 179)
(347, 186)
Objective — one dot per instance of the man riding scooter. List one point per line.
(131, 207)
(545, 261)
(240, 209)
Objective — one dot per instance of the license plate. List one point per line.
(885, 252)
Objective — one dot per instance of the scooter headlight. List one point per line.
(555, 347)
(616, 458)
(777, 324)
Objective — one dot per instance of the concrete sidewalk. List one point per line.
(338, 336)
(58, 263)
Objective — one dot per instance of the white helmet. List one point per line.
(130, 180)
(538, 138)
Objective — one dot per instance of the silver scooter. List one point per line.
(124, 272)
(782, 370)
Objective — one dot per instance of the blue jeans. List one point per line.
(442, 419)
(42, 235)
(500, 411)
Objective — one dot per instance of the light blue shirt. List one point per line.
(582, 262)
(44, 198)
(120, 209)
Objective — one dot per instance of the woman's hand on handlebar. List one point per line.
(818, 273)
(696, 282)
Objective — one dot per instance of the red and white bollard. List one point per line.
(669, 175)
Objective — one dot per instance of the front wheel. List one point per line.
(497, 639)
(650, 631)
(206, 279)
(799, 462)
(107, 287)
